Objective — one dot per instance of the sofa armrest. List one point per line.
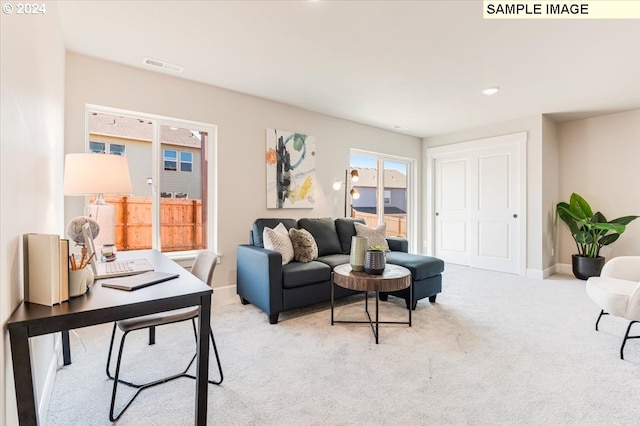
(398, 244)
(259, 277)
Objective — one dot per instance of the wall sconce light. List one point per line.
(349, 179)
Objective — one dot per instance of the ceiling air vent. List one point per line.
(163, 65)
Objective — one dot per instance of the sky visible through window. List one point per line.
(372, 163)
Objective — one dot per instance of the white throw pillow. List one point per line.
(278, 239)
(377, 236)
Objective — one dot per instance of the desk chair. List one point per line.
(617, 292)
(203, 268)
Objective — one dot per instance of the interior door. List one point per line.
(477, 207)
(451, 209)
(495, 210)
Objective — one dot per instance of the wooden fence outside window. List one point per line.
(181, 226)
(396, 224)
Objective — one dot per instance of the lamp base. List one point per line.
(104, 214)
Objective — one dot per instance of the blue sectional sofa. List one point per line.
(263, 281)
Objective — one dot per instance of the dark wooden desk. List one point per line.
(102, 305)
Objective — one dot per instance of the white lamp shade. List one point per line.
(87, 173)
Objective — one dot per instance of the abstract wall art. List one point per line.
(291, 170)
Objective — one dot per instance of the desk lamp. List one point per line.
(98, 174)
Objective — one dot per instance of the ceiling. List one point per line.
(419, 65)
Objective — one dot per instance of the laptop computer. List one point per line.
(139, 281)
(117, 268)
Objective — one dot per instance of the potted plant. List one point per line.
(375, 260)
(590, 231)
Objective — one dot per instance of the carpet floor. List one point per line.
(495, 349)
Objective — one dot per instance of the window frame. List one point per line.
(104, 147)
(165, 159)
(210, 155)
(180, 162)
(122, 153)
(412, 185)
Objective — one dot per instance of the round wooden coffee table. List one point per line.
(393, 278)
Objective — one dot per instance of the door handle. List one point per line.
(437, 214)
(515, 215)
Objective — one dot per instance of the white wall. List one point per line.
(241, 121)
(536, 227)
(600, 160)
(31, 153)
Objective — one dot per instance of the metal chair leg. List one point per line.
(113, 336)
(602, 312)
(139, 387)
(627, 337)
(215, 351)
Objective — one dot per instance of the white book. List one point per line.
(64, 270)
(42, 269)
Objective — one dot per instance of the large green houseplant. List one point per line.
(590, 231)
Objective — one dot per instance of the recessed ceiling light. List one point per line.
(491, 90)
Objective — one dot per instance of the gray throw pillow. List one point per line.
(305, 248)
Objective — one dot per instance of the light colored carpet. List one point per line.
(495, 349)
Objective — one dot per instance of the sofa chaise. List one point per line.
(263, 281)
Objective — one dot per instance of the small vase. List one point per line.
(356, 257)
(374, 262)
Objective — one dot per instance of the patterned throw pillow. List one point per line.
(377, 236)
(278, 239)
(305, 248)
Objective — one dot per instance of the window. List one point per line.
(170, 160)
(387, 197)
(97, 147)
(116, 149)
(186, 161)
(384, 191)
(168, 211)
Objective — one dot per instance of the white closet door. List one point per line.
(477, 203)
(495, 209)
(452, 206)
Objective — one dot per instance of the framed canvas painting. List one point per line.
(291, 170)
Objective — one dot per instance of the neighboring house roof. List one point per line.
(373, 210)
(369, 178)
(138, 129)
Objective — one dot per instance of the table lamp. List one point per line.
(98, 174)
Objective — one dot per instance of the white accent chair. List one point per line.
(617, 292)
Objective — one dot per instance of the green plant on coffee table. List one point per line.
(377, 247)
(590, 231)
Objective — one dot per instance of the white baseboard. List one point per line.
(564, 268)
(47, 390)
(224, 295)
